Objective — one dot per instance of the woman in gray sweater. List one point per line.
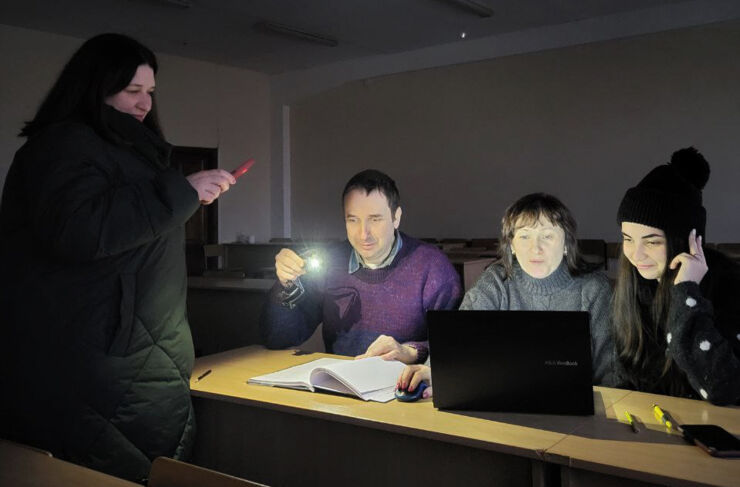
(539, 268)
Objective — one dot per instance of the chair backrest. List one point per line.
(455, 240)
(613, 250)
(167, 472)
(732, 250)
(12, 444)
(213, 250)
(215, 255)
(488, 243)
(594, 251)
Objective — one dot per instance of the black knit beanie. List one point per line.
(669, 197)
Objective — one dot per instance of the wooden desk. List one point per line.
(224, 312)
(285, 437)
(24, 467)
(604, 451)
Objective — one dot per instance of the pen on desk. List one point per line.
(631, 421)
(661, 416)
(203, 375)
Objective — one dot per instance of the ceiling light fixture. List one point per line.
(478, 8)
(182, 4)
(177, 3)
(293, 32)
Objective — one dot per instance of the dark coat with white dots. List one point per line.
(703, 330)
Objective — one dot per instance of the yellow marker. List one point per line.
(631, 421)
(662, 416)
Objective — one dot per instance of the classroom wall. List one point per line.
(200, 104)
(583, 122)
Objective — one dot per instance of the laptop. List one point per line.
(518, 361)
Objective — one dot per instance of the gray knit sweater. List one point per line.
(557, 292)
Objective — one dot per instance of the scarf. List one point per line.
(138, 137)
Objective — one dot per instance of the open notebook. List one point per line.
(370, 379)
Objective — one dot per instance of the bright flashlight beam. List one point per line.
(314, 263)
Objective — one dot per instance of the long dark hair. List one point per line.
(527, 210)
(103, 66)
(640, 313)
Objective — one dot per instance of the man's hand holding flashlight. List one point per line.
(289, 266)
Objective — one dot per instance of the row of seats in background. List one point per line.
(594, 250)
(242, 260)
(257, 260)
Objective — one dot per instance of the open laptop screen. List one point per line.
(520, 361)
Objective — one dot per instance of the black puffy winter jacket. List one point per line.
(95, 345)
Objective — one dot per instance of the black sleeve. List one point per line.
(282, 327)
(80, 211)
(707, 357)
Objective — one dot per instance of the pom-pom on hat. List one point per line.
(669, 197)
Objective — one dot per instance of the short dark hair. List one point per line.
(103, 66)
(371, 180)
(527, 210)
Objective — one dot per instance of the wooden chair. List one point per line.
(464, 241)
(215, 255)
(167, 472)
(731, 250)
(12, 444)
(613, 249)
(448, 244)
(594, 251)
(488, 243)
(217, 263)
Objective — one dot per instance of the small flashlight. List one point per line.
(313, 263)
(292, 294)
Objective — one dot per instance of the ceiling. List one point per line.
(223, 31)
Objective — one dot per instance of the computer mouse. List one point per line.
(406, 396)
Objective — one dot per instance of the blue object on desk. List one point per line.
(405, 396)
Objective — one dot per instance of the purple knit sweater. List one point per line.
(357, 308)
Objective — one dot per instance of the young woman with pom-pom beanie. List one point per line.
(676, 308)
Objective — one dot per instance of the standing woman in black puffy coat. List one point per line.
(676, 306)
(96, 347)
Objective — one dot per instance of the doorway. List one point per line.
(202, 227)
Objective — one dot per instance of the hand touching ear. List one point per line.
(693, 265)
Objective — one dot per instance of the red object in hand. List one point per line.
(243, 168)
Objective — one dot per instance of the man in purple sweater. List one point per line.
(373, 290)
